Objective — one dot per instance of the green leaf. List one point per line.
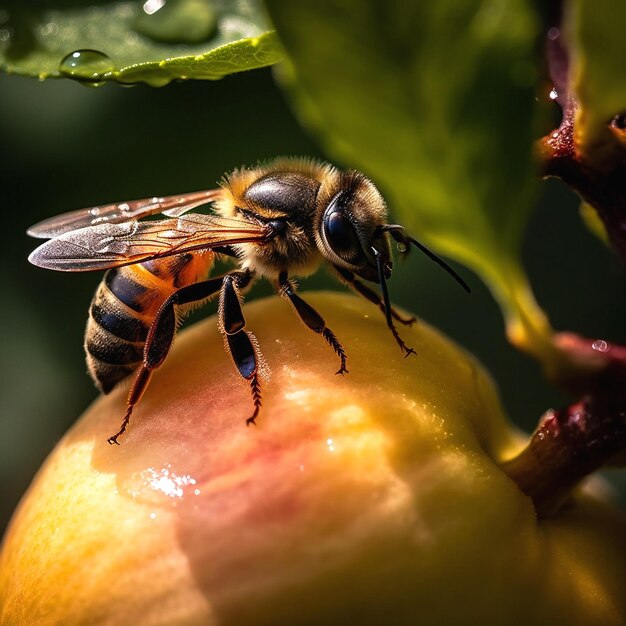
(153, 42)
(597, 46)
(435, 101)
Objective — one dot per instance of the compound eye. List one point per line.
(342, 237)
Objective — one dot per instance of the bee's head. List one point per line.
(350, 214)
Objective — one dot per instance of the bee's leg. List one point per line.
(159, 340)
(371, 295)
(312, 319)
(383, 304)
(387, 303)
(241, 344)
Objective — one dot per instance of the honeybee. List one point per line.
(276, 221)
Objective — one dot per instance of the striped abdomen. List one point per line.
(125, 304)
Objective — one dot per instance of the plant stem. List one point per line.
(567, 446)
(571, 443)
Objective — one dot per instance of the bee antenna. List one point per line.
(397, 232)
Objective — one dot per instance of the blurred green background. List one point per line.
(65, 146)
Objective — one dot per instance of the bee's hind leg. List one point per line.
(313, 320)
(139, 384)
(159, 341)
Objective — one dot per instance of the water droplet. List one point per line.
(177, 21)
(600, 345)
(554, 94)
(157, 81)
(87, 66)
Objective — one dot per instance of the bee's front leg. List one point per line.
(349, 278)
(380, 264)
(387, 310)
(312, 319)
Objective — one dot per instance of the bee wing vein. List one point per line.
(121, 212)
(110, 245)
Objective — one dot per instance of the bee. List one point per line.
(276, 221)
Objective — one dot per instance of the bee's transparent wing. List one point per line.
(172, 206)
(111, 245)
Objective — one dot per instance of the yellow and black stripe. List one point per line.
(125, 305)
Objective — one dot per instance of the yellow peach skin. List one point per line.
(372, 499)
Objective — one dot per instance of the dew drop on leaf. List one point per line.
(88, 66)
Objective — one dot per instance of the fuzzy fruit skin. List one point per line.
(373, 499)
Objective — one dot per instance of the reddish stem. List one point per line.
(568, 445)
(600, 182)
(571, 443)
